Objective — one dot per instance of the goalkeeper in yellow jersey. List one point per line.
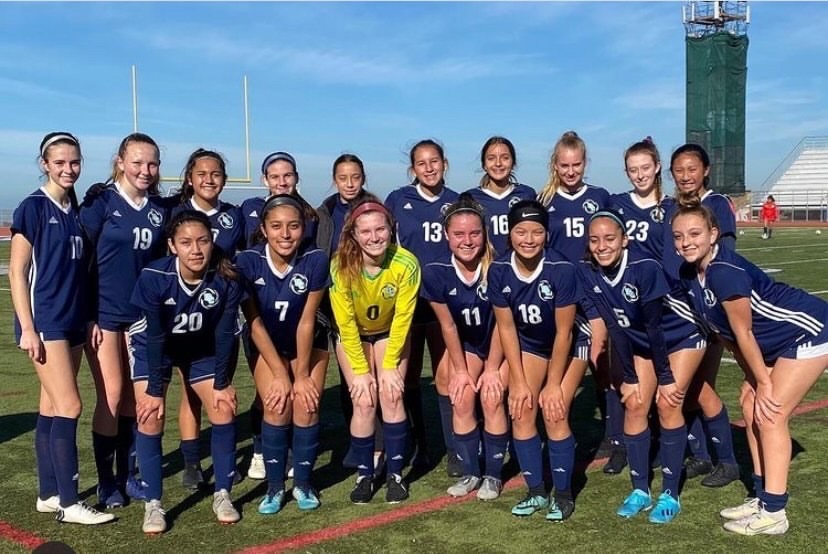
(373, 294)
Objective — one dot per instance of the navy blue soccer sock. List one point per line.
(673, 444)
(256, 419)
(305, 448)
(615, 417)
(47, 485)
(530, 459)
(696, 435)
(190, 451)
(125, 465)
(363, 449)
(638, 455)
(718, 427)
(494, 449)
(64, 451)
(468, 449)
(446, 421)
(773, 502)
(275, 443)
(223, 451)
(149, 458)
(562, 462)
(103, 447)
(395, 435)
(758, 485)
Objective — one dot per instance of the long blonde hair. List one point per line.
(571, 140)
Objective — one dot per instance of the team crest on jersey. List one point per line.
(208, 298)
(514, 200)
(443, 208)
(226, 220)
(630, 293)
(298, 284)
(590, 206)
(155, 217)
(545, 291)
(657, 214)
(709, 298)
(482, 292)
(389, 291)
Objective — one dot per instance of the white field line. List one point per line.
(756, 248)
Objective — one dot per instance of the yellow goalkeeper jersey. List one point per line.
(383, 303)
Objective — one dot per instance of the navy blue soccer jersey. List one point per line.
(127, 236)
(533, 299)
(569, 217)
(420, 221)
(497, 207)
(252, 207)
(782, 316)
(281, 297)
(227, 225)
(58, 272)
(722, 210)
(338, 213)
(645, 223)
(195, 322)
(620, 299)
(468, 303)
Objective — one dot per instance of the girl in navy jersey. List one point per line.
(285, 285)
(535, 293)
(418, 209)
(348, 175)
(458, 294)
(280, 176)
(499, 189)
(779, 336)
(124, 219)
(656, 338)
(570, 203)
(47, 276)
(189, 302)
(643, 208)
(690, 168)
(204, 177)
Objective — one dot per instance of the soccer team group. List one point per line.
(515, 292)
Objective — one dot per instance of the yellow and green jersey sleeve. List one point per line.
(383, 303)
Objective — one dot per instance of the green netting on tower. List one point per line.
(716, 75)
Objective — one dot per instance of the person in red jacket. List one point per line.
(770, 213)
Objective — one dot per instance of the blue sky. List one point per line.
(373, 78)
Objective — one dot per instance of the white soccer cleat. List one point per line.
(257, 467)
(84, 514)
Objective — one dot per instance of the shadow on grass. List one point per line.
(14, 425)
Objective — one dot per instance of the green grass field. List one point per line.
(800, 254)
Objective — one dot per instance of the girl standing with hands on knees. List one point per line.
(189, 302)
(48, 279)
(535, 294)
(285, 284)
(655, 337)
(778, 335)
(458, 293)
(374, 291)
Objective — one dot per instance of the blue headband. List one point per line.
(613, 215)
(275, 157)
